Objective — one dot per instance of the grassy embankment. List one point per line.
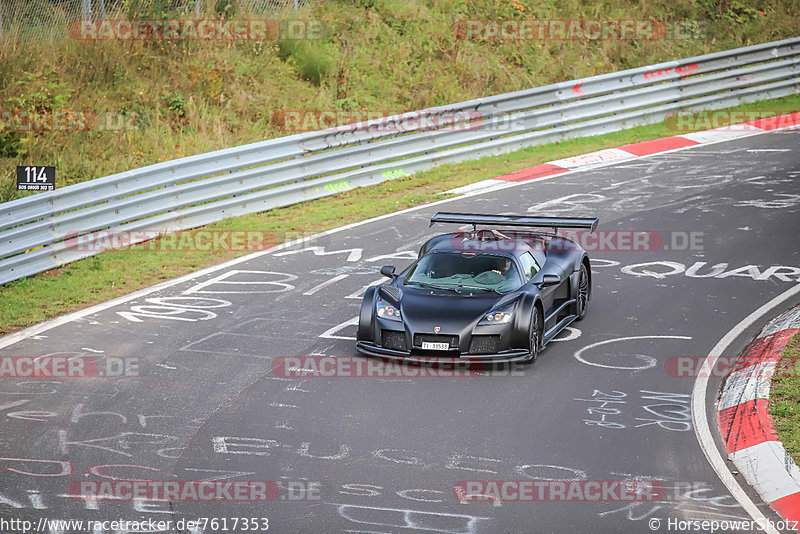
(784, 398)
(177, 98)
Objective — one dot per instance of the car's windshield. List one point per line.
(449, 270)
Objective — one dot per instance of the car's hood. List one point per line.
(423, 309)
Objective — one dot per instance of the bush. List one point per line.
(313, 63)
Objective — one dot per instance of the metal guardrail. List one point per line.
(39, 232)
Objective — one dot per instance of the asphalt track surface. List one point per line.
(386, 453)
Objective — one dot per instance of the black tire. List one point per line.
(582, 294)
(535, 341)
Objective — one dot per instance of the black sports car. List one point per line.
(494, 295)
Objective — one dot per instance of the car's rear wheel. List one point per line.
(535, 335)
(582, 296)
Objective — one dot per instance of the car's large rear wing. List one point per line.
(589, 223)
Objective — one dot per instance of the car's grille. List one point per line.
(391, 339)
(484, 345)
(435, 338)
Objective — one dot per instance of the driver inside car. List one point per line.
(503, 267)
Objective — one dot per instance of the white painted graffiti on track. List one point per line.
(647, 361)
(671, 412)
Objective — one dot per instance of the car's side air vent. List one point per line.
(390, 292)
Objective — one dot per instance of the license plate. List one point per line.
(427, 345)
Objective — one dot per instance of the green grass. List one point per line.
(110, 274)
(178, 98)
(784, 399)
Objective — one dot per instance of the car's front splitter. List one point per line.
(510, 356)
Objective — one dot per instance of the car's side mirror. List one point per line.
(549, 280)
(388, 271)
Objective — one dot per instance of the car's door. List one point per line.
(554, 297)
(530, 267)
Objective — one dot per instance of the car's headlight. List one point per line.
(499, 315)
(387, 311)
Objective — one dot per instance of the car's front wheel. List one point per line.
(535, 335)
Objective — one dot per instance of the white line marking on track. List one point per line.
(700, 417)
(329, 333)
(573, 333)
(326, 283)
(650, 361)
